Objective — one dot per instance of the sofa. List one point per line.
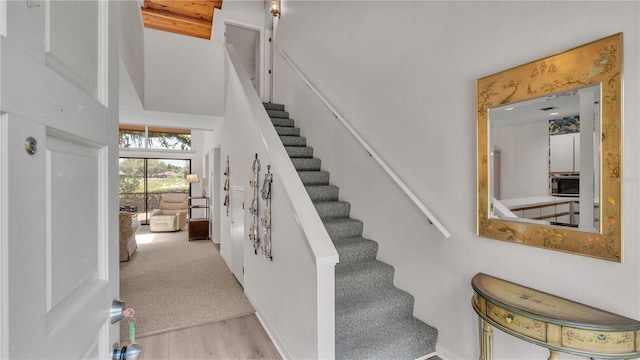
(172, 214)
(128, 228)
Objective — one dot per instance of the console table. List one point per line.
(553, 322)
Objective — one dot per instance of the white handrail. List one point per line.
(432, 219)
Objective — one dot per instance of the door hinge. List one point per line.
(269, 39)
(243, 205)
(243, 270)
(269, 71)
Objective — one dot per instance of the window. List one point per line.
(153, 137)
(143, 181)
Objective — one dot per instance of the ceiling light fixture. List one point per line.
(509, 109)
(554, 113)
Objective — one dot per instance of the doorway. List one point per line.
(247, 41)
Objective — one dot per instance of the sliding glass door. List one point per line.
(144, 180)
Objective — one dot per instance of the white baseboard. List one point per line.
(427, 356)
(284, 354)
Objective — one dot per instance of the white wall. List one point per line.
(404, 74)
(183, 74)
(132, 44)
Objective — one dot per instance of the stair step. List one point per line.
(314, 177)
(278, 114)
(322, 192)
(362, 276)
(343, 227)
(293, 140)
(287, 130)
(273, 106)
(403, 339)
(332, 209)
(306, 164)
(355, 249)
(282, 122)
(369, 309)
(299, 151)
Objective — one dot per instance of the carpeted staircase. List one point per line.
(374, 319)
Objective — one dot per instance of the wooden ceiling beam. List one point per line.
(185, 17)
(171, 22)
(195, 9)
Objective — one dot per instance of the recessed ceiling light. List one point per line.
(509, 109)
(554, 113)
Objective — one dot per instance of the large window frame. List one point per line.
(144, 202)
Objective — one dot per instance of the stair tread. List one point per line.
(287, 130)
(306, 164)
(362, 276)
(273, 106)
(372, 308)
(282, 122)
(299, 152)
(355, 249)
(314, 177)
(323, 192)
(332, 209)
(278, 114)
(407, 338)
(353, 302)
(288, 140)
(343, 227)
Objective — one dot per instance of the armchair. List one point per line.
(128, 227)
(172, 215)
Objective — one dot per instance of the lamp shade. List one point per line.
(192, 178)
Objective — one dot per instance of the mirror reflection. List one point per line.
(551, 180)
(544, 159)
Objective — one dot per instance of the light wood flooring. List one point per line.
(237, 338)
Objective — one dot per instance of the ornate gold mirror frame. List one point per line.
(598, 62)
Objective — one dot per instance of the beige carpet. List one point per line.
(173, 283)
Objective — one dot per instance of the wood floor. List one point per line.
(238, 338)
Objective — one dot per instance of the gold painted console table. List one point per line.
(558, 324)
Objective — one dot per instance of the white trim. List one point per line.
(3, 18)
(4, 237)
(432, 219)
(103, 53)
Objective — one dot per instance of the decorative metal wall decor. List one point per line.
(254, 236)
(226, 186)
(266, 217)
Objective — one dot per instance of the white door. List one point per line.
(238, 238)
(58, 178)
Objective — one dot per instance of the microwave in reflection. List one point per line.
(565, 185)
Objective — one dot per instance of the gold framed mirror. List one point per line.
(530, 198)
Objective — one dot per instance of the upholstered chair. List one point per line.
(128, 228)
(172, 214)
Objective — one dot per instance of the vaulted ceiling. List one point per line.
(186, 17)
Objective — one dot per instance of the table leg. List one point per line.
(553, 355)
(486, 339)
